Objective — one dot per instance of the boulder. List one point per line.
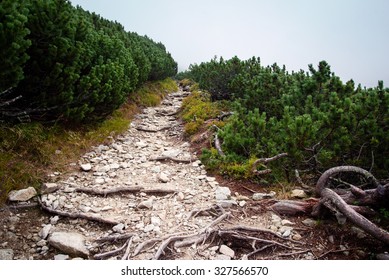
(70, 243)
(22, 195)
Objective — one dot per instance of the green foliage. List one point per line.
(313, 116)
(196, 108)
(70, 65)
(13, 42)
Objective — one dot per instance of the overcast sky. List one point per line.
(351, 35)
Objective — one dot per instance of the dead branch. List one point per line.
(264, 161)
(218, 146)
(300, 181)
(224, 115)
(89, 217)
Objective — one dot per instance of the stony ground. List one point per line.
(127, 198)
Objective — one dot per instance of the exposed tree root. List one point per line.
(114, 238)
(88, 217)
(123, 189)
(332, 198)
(179, 160)
(153, 130)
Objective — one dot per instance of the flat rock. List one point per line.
(49, 188)
(45, 231)
(22, 195)
(222, 193)
(147, 204)
(171, 153)
(61, 257)
(71, 243)
(227, 251)
(6, 254)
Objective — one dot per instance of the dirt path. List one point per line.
(148, 185)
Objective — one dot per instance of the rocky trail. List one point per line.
(147, 196)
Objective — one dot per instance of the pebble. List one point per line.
(86, 167)
(149, 228)
(260, 196)
(163, 177)
(309, 222)
(298, 194)
(45, 231)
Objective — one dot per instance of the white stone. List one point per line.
(149, 228)
(86, 167)
(49, 188)
(119, 228)
(286, 233)
(45, 231)
(6, 254)
(284, 229)
(242, 203)
(163, 177)
(180, 196)
(286, 223)
(227, 251)
(54, 220)
(70, 243)
(114, 166)
(99, 181)
(309, 222)
(156, 221)
(61, 257)
(171, 153)
(260, 196)
(41, 243)
(106, 208)
(222, 193)
(298, 194)
(297, 237)
(147, 204)
(221, 257)
(22, 195)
